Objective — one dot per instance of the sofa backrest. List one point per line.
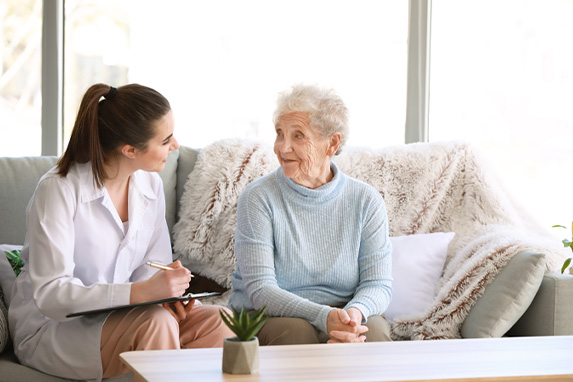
(19, 178)
(185, 164)
(179, 164)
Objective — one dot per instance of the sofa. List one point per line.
(492, 305)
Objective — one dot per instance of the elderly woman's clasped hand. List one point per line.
(345, 326)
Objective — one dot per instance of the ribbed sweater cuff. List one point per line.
(320, 321)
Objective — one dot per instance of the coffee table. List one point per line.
(497, 359)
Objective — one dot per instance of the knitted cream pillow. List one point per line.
(4, 334)
(7, 278)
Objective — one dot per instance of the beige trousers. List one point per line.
(154, 328)
(290, 331)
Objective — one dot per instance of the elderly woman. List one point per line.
(312, 243)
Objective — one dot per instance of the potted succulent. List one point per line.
(567, 243)
(241, 353)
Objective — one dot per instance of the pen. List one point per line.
(161, 266)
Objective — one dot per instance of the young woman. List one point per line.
(94, 221)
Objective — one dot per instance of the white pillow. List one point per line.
(417, 264)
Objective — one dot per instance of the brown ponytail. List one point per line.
(125, 116)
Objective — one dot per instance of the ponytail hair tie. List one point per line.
(111, 93)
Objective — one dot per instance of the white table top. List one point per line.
(503, 359)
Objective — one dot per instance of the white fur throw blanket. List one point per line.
(427, 187)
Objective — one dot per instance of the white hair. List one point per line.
(326, 110)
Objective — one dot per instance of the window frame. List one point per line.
(52, 77)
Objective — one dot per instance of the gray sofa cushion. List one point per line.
(12, 371)
(506, 298)
(186, 163)
(19, 179)
(169, 177)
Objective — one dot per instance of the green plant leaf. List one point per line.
(225, 317)
(228, 320)
(15, 261)
(255, 329)
(259, 314)
(566, 264)
(561, 226)
(244, 324)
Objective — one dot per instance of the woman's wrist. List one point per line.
(137, 292)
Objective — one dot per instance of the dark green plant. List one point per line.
(567, 243)
(244, 324)
(14, 260)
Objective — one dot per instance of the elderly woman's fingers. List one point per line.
(355, 316)
(339, 336)
(340, 320)
(343, 316)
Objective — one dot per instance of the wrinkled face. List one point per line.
(154, 157)
(303, 153)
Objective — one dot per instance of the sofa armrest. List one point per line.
(551, 311)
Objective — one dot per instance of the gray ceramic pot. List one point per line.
(240, 357)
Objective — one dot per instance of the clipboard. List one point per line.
(187, 297)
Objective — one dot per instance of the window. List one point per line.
(500, 73)
(20, 77)
(502, 78)
(96, 50)
(222, 63)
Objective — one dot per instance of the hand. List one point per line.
(163, 284)
(355, 316)
(179, 310)
(345, 326)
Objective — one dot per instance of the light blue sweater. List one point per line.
(299, 251)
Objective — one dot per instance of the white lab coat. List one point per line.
(78, 257)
